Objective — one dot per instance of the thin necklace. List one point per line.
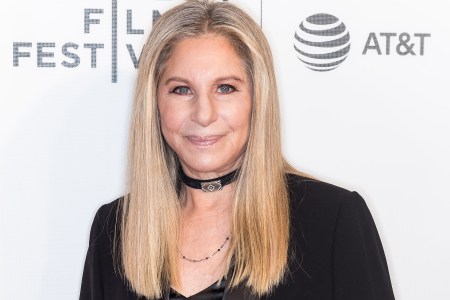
(208, 257)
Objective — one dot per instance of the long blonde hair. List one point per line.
(150, 213)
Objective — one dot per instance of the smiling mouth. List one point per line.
(204, 140)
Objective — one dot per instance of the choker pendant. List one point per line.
(208, 185)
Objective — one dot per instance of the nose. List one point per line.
(204, 110)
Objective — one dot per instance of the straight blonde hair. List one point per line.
(149, 219)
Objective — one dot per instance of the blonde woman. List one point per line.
(213, 211)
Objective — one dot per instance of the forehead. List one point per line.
(207, 53)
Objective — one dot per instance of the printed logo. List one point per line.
(124, 36)
(322, 42)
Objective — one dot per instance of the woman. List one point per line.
(213, 211)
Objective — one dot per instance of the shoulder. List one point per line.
(319, 195)
(320, 210)
(102, 276)
(108, 210)
(336, 252)
(105, 223)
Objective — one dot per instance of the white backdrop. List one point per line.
(378, 123)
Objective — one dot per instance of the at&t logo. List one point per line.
(322, 42)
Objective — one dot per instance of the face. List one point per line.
(204, 100)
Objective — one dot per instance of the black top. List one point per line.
(213, 292)
(335, 251)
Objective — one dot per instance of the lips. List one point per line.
(204, 140)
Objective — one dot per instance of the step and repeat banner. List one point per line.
(365, 101)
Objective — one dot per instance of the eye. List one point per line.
(226, 89)
(181, 90)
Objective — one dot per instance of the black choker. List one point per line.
(208, 185)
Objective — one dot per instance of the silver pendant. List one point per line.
(211, 186)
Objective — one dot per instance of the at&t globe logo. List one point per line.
(322, 42)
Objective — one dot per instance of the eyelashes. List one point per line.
(181, 90)
(226, 89)
(223, 89)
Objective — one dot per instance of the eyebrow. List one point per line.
(175, 78)
(180, 79)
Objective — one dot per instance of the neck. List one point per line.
(207, 212)
(198, 202)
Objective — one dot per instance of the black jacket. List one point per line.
(336, 253)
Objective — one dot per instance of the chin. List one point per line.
(208, 165)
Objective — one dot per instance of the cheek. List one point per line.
(171, 121)
(239, 117)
